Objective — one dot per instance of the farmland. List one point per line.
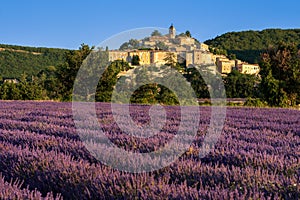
(41, 156)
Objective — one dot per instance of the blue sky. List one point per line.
(67, 24)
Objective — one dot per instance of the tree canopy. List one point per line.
(16, 60)
(156, 33)
(248, 45)
(131, 44)
(280, 73)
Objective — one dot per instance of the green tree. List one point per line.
(146, 94)
(9, 91)
(161, 46)
(239, 85)
(188, 34)
(14, 92)
(280, 73)
(66, 73)
(170, 59)
(197, 82)
(131, 44)
(232, 56)
(154, 94)
(25, 89)
(109, 79)
(48, 80)
(135, 60)
(156, 33)
(31, 89)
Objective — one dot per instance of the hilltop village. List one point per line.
(185, 49)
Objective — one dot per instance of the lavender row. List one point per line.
(12, 190)
(257, 155)
(81, 180)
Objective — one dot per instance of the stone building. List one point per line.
(158, 57)
(185, 41)
(224, 65)
(204, 47)
(246, 68)
(198, 57)
(118, 55)
(172, 32)
(185, 49)
(144, 56)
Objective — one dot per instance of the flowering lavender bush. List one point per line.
(41, 156)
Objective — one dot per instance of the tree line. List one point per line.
(16, 60)
(248, 45)
(278, 83)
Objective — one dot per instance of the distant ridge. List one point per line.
(21, 51)
(15, 60)
(247, 45)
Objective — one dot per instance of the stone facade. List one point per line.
(246, 68)
(225, 66)
(173, 42)
(158, 57)
(144, 56)
(184, 40)
(147, 57)
(198, 57)
(186, 49)
(172, 32)
(118, 55)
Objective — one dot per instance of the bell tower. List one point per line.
(172, 32)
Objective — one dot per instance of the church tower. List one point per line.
(172, 32)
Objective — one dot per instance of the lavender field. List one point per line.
(41, 156)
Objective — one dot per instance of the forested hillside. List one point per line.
(15, 60)
(248, 45)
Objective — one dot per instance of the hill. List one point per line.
(15, 60)
(247, 45)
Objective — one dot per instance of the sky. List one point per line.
(67, 24)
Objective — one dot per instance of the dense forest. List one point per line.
(16, 60)
(248, 45)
